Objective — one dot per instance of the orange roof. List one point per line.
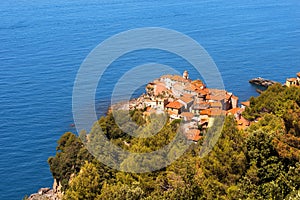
(192, 87)
(205, 112)
(193, 134)
(212, 112)
(217, 91)
(298, 74)
(291, 79)
(172, 112)
(188, 115)
(196, 138)
(242, 123)
(246, 103)
(234, 111)
(216, 98)
(216, 111)
(159, 89)
(206, 90)
(198, 84)
(175, 105)
(186, 98)
(179, 78)
(202, 92)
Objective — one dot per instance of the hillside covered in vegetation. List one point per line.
(261, 162)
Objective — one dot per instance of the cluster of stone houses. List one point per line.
(191, 101)
(293, 81)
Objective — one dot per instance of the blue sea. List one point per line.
(43, 43)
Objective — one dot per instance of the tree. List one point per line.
(226, 162)
(121, 191)
(85, 186)
(69, 158)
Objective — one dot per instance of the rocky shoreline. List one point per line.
(47, 193)
(44, 194)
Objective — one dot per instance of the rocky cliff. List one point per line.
(47, 193)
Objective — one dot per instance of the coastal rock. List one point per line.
(44, 194)
(47, 193)
(262, 82)
(56, 186)
(43, 191)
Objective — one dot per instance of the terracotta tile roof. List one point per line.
(193, 134)
(298, 74)
(212, 112)
(188, 115)
(218, 95)
(159, 89)
(217, 91)
(246, 103)
(189, 95)
(216, 111)
(234, 111)
(215, 98)
(203, 92)
(175, 105)
(186, 98)
(198, 83)
(196, 138)
(179, 79)
(206, 90)
(205, 112)
(190, 88)
(291, 79)
(243, 123)
(207, 97)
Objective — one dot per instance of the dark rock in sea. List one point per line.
(262, 82)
